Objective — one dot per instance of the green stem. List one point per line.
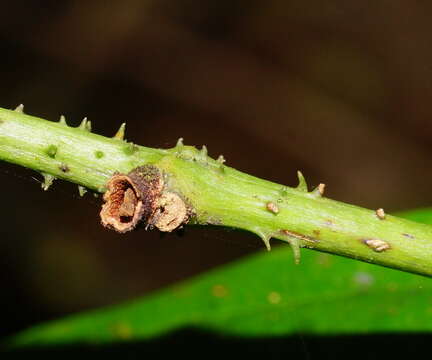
(218, 194)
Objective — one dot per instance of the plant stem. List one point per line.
(218, 194)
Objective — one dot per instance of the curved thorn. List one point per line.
(302, 185)
(20, 108)
(294, 241)
(265, 237)
(119, 135)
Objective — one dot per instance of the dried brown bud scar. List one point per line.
(380, 213)
(170, 213)
(139, 196)
(377, 245)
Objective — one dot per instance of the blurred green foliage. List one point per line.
(263, 295)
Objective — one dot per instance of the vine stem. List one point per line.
(218, 194)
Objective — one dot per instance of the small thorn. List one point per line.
(203, 152)
(179, 142)
(319, 190)
(120, 132)
(221, 159)
(82, 190)
(302, 186)
(295, 246)
(85, 125)
(264, 237)
(294, 241)
(380, 213)
(47, 182)
(272, 207)
(20, 108)
(62, 120)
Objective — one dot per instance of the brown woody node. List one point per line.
(139, 196)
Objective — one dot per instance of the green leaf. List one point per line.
(262, 295)
(422, 215)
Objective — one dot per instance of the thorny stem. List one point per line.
(217, 194)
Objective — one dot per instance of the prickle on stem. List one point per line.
(62, 120)
(85, 125)
(119, 135)
(221, 159)
(265, 237)
(319, 190)
(294, 242)
(20, 108)
(47, 181)
(302, 185)
(81, 190)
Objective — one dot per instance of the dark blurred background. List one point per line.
(340, 90)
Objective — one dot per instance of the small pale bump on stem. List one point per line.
(272, 207)
(302, 185)
(376, 245)
(380, 213)
(221, 159)
(130, 148)
(51, 151)
(120, 134)
(20, 108)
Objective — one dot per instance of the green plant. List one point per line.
(169, 188)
